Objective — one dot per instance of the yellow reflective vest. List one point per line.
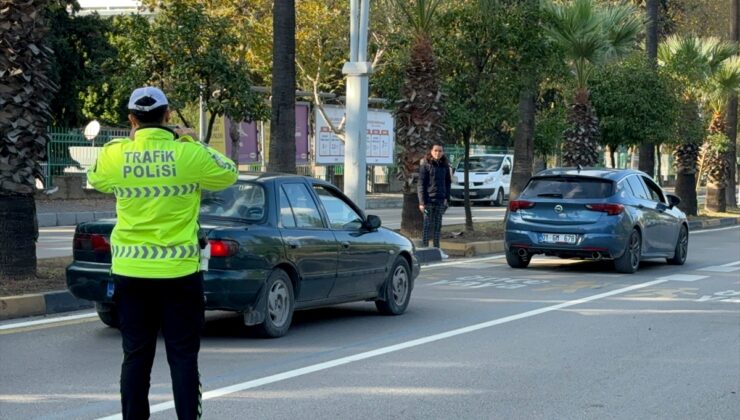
(157, 179)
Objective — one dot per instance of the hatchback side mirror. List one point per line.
(372, 222)
(673, 200)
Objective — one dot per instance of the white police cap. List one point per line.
(143, 92)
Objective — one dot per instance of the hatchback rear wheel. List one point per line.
(518, 261)
(630, 259)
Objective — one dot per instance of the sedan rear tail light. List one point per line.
(610, 209)
(91, 242)
(220, 248)
(520, 204)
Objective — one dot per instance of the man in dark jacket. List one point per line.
(435, 180)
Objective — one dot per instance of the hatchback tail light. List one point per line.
(520, 204)
(91, 242)
(220, 248)
(608, 208)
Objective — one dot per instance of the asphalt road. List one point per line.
(57, 241)
(560, 340)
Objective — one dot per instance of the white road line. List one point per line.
(732, 264)
(698, 232)
(47, 321)
(220, 392)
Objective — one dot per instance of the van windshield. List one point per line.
(481, 164)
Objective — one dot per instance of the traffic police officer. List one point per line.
(157, 178)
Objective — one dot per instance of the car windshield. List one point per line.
(481, 163)
(243, 200)
(568, 187)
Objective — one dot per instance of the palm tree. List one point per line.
(25, 100)
(589, 35)
(686, 59)
(420, 110)
(694, 62)
(282, 122)
(723, 83)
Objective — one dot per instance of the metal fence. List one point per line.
(70, 152)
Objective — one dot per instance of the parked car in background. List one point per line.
(279, 243)
(612, 214)
(489, 179)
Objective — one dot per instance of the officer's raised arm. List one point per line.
(217, 171)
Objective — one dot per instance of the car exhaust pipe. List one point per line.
(596, 255)
(522, 252)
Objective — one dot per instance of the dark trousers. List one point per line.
(176, 307)
(433, 220)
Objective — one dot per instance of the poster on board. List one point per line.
(249, 145)
(329, 149)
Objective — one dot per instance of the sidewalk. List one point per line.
(72, 212)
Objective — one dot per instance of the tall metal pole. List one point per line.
(201, 117)
(357, 71)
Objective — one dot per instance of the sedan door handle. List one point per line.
(294, 244)
(345, 245)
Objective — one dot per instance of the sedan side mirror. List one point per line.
(673, 200)
(372, 222)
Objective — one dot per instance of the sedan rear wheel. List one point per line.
(630, 259)
(279, 305)
(396, 289)
(682, 248)
(108, 314)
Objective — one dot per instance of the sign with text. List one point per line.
(380, 137)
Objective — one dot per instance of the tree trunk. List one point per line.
(412, 220)
(716, 198)
(524, 140)
(686, 191)
(647, 158)
(466, 181)
(234, 138)
(282, 120)
(731, 132)
(20, 231)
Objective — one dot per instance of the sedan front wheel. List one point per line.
(396, 291)
(682, 248)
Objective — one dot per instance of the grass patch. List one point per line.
(483, 231)
(49, 277)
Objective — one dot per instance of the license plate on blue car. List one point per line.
(558, 238)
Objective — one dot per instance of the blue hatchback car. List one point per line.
(594, 213)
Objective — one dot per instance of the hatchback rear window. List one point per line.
(568, 187)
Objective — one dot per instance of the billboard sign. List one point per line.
(380, 144)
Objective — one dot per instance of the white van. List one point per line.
(489, 176)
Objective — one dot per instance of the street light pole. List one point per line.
(357, 70)
(201, 116)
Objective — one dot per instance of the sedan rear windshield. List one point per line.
(568, 187)
(481, 164)
(243, 200)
